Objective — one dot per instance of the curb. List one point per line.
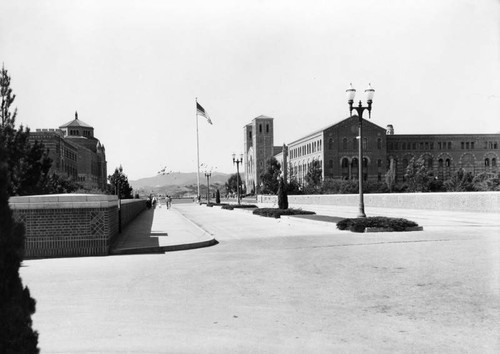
(307, 221)
(163, 249)
(388, 229)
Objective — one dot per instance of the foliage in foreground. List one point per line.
(359, 224)
(276, 213)
(16, 303)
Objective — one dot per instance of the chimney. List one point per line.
(390, 129)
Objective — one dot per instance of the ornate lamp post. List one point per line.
(237, 161)
(208, 174)
(351, 93)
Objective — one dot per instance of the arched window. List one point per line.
(494, 162)
(345, 163)
(260, 128)
(448, 163)
(354, 144)
(344, 144)
(440, 163)
(379, 163)
(486, 162)
(379, 143)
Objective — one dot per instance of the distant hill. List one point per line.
(178, 183)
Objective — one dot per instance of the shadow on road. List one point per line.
(137, 234)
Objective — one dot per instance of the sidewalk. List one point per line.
(160, 230)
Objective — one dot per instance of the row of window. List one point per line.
(306, 149)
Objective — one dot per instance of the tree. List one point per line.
(314, 177)
(417, 176)
(232, 184)
(16, 303)
(390, 176)
(28, 163)
(217, 197)
(119, 184)
(487, 181)
(460, 181)
(282, 195)
(270, 177)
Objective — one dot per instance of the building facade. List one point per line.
(75, 153)
(336, 148)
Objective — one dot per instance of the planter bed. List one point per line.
(276, 213)
(378, 224)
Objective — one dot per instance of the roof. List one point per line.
(76, 123)
(263, 116)
(330, 126)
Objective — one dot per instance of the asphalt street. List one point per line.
(280, 286)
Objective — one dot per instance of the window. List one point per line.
(330, 144)
(267, 128)
(449, 145)
(439, 145)
(250, 135)
(390, 146)
(379, 143)
(260, 128)
(379, 163)
(365, 143)
(403, 146)
(467, 145)
(414, 147)
(421, 146)
(494, 162)
(344, 144)
(472, 145)
(426, 146)
(462, 145)
(486, 162)
(354, 144)
(448, 163)
(432, 146)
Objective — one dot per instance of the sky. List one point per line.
(133, 70)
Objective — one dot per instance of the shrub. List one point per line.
(282, 195)
(276, 213)
(236, 206)
(359, 224)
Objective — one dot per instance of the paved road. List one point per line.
(280, 286)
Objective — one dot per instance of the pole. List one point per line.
(208, 188)
(197, 152)
(238, 180)
(361, 212)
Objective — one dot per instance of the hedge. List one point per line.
(359, 224)
(276, 213)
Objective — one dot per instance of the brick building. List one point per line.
(336, 148)
(75, 153)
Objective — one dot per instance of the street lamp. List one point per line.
(369, 92)
(237, 161)
(208, 174)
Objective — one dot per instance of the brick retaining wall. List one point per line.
(68, 225)
(483, 202)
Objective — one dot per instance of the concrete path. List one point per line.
(160, 230)
(280, 286)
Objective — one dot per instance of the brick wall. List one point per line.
(67, 225)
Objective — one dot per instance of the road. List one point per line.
(276, 286)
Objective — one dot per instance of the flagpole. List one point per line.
(197, 152)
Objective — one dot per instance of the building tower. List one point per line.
(258, 147)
